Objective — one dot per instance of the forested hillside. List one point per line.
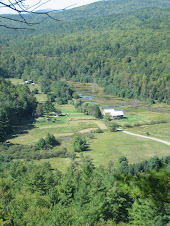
(16, 103)
(123, 45)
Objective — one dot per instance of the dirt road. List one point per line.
(146, 137)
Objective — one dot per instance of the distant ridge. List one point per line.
(49, 10)
(123, 44)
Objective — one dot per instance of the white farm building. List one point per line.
(113, 113)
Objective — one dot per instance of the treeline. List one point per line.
(142, 167)
(87, 108)
(125, 52)
(38, 195)
(69, 20)
(16, 103)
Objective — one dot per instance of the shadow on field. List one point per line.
(22, 128)
(87, 148)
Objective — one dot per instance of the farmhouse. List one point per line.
(114, 114)
(30, 82)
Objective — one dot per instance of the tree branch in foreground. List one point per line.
(22, 9)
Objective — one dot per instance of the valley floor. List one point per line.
(103, 147)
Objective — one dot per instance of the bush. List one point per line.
(41, 144)
(88, 135)
(112, 126)
(98, 131)
(70, 155)
(79, 144)
(127, 125)
(50, 140)
(78, 103)
(137, 124)
(107, 117)
(35, 91)
(53, 120)
(58, 111)
(47, 143)
(75, 95)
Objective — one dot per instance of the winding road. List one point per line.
(146, 137)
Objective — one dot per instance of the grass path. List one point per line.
(101, 125)
(146, 137)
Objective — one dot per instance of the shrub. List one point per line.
(79, 144)
(98, 130)
(107, 117)
(35, 91)
(78, 103)
(47, 143)
(112, 126)
(75, 95)
(70, 155)
(41, 144)
(127, 125)
(137, 124)
(58, 111)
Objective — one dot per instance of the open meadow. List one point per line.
(140, 117)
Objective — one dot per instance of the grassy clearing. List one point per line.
(144, 118)
(15, 81)
(56, 163)
(67, 108)
(160, 131)
(30, 136)
(41, 97)
(110, 146)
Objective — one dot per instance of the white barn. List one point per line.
(113, 113)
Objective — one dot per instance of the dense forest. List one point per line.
(122, 45)
(16, 103)
(128, 194)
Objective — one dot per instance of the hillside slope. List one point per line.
(122, 45)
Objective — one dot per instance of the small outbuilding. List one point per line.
(114, 114)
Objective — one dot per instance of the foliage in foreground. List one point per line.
(37, 195)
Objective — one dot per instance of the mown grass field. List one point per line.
(110, 146)
(160, 131)
(107, 146)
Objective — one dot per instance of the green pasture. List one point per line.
(41, 97)
(15, 81)
(161, 131)
(60, 164)
(144, 118)
(31, 135)
(108, 146)
(68, 108)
